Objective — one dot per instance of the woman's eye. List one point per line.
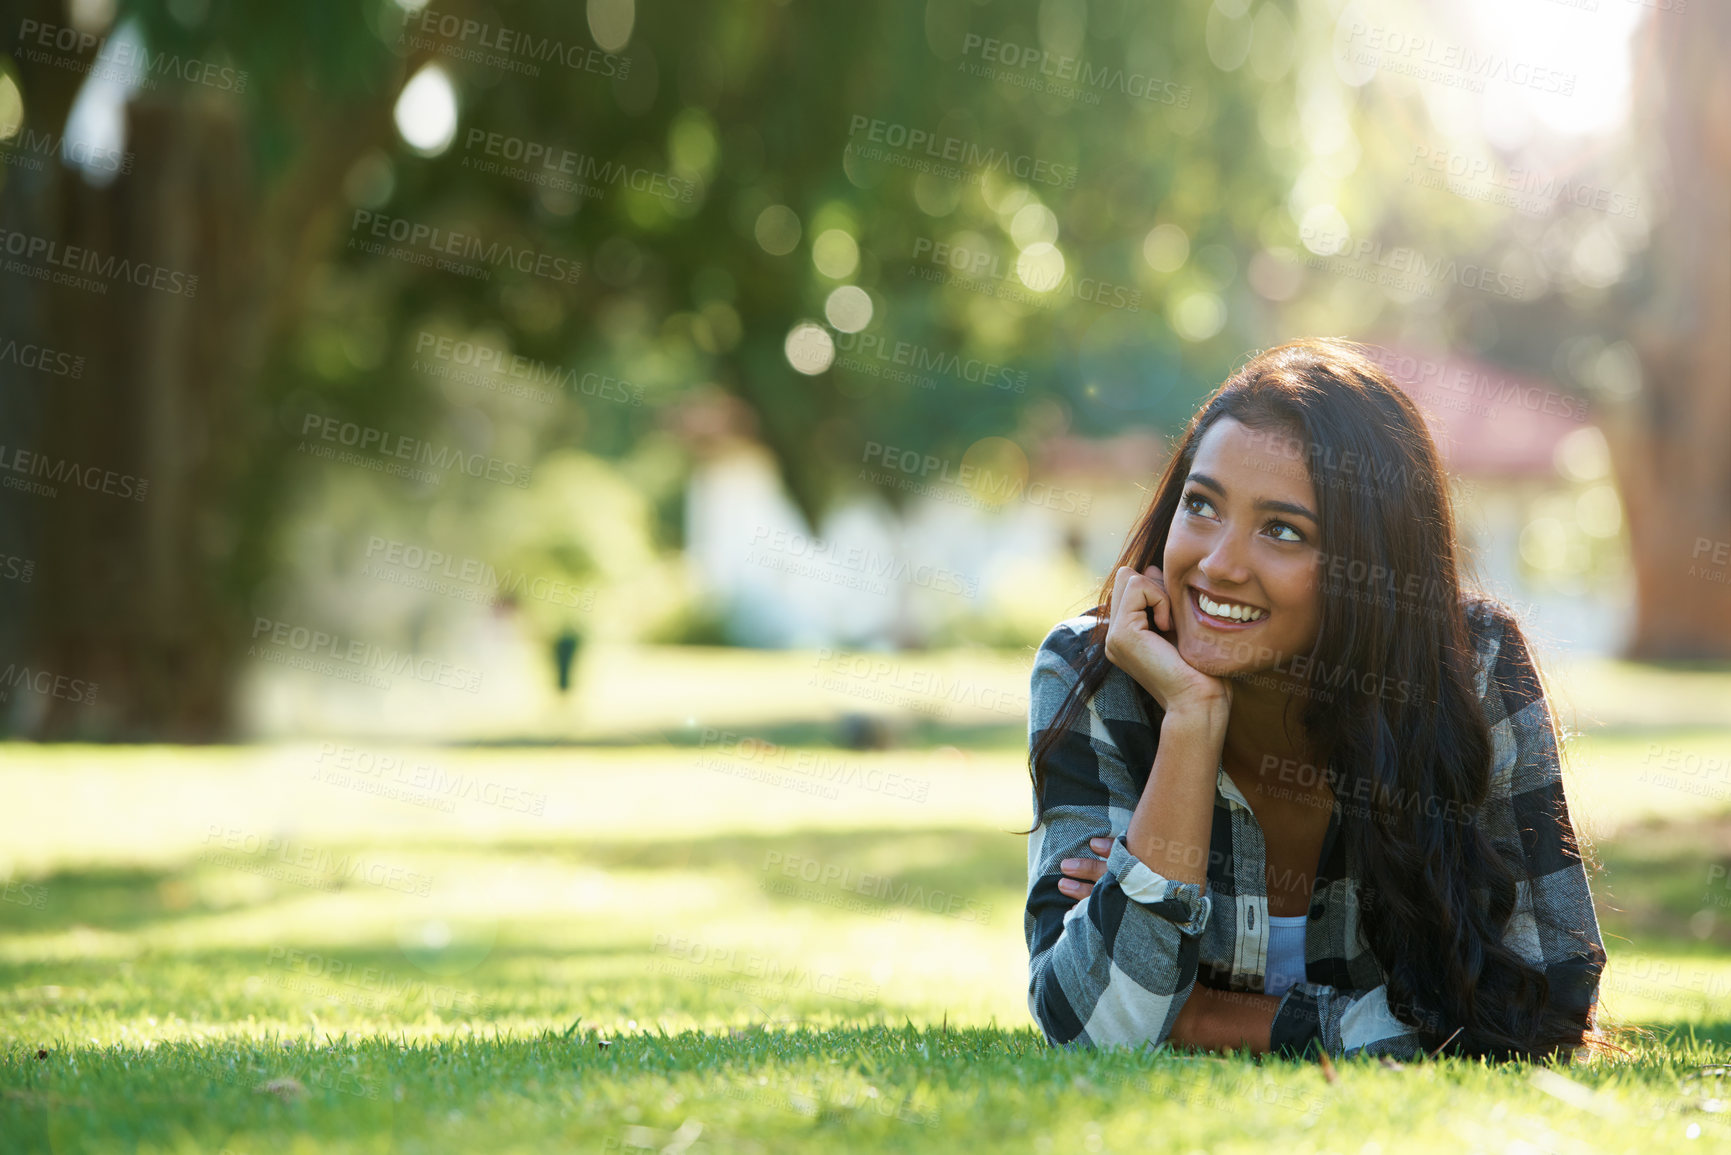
(1196, 503)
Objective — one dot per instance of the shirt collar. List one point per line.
(1228, 788)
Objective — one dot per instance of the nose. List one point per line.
(1225, 564)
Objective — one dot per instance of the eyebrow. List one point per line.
(1277, 506)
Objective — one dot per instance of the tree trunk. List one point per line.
(1672, 442)
(151, 599)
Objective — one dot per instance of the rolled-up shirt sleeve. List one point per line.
(1554, 925)
(1313, 1016)
(1115, 968)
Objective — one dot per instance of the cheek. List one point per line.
(1299, 592)
(1300, 580)
(1306, 604)
(1180, 550)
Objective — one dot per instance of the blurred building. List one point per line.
(1541, 523)
(1030, 541)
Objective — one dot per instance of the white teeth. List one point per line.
(1228, 610)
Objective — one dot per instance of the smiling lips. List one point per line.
(1224, 614)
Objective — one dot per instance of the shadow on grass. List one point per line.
(373, 989)
(120, 899)
(870, 868)
(1662, 882)
(1668, 880)
(846, 732)
(962, 861)
(1655, 870)
(432, 970)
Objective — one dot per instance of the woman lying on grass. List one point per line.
(1293, 790)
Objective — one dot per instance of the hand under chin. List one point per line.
(1207, 661)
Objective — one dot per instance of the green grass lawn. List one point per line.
(685, 945)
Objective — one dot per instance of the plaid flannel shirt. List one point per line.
(1115, 969)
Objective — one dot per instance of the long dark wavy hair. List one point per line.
(1393, 612)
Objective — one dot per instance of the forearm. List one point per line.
(1222, 1021)
(1172, 824)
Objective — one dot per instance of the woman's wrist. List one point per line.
(1225, 1021)
(1189, 1029)
(1199, 713)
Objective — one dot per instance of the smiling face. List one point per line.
(1242, 557)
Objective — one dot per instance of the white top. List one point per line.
(1285, 952)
